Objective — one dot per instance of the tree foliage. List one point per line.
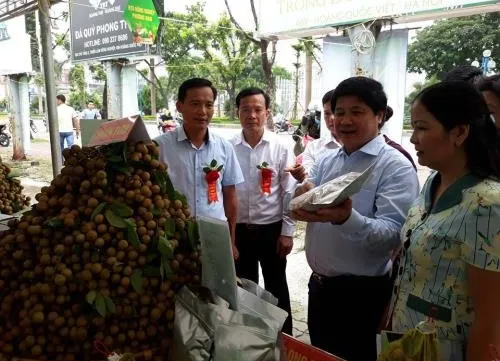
(453, 42)
(229, 53)
(417, 88)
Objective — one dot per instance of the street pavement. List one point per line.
(298, 271)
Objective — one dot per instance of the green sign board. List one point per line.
(142, 20)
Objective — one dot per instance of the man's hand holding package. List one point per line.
(337, 215)
(297, 171)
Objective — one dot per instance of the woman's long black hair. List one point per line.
(458, 103)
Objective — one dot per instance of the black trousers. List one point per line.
(344, 313)
(258, 243)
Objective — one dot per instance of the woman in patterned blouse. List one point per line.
(451, 265)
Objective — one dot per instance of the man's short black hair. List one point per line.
(252, 91)
(465, 73)
(368, 90)
(192, 84)
(61, 98)
(327, 97)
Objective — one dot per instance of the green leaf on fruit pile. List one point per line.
(114, 219)
(110, 305)
(115, 159)
(121, 209)
(180, 197)
(152, 272)
(121, 168)
(151, 257)
(136, 281)
(157, 212)
(169, 186)
(100, 207)
(157, 178)
(132, 236)
(91, 296)
(54, 223)
(192, 232)
(165, 270)
(14, 173)
(100, 305)
(170, 227)
(165, 248)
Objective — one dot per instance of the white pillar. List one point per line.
(114, 89)
(20, 113)
(130, 105)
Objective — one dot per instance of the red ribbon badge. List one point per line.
(266, 176)
(212, 174)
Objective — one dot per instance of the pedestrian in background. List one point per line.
(68, 122)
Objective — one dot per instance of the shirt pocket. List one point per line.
(363, 202)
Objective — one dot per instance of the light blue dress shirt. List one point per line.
(185, 168)
(363, 244)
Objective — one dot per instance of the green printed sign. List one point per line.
(142, 20)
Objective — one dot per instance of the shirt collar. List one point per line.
(373, 147)
(452, 196)
(240, 138)
(181, 135)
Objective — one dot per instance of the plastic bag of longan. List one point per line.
(418, 344)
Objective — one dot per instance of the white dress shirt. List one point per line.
(185, 168)
(317, 149)
(254, 207)
(65, 115)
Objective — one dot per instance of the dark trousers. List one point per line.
(258, 243)
(344, 314)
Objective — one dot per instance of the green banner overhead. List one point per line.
(142, 20)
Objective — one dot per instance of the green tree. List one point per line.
(98, 72)
(229, 54)
(78, 95)
(267, 46)
(417, 88)
(180, 35)
(450, 43)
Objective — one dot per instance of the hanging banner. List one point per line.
(15, 47)
(280, 16)
(98, 31)
(142, 20)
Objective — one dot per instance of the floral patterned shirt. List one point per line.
(462, 228)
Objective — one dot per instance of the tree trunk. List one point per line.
(232, 100)
(40, 100)
(153, 85)
(309, 61)
(267, 67)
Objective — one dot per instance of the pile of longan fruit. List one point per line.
(98, 260)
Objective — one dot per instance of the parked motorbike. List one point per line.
(4, 136)
(284, 125)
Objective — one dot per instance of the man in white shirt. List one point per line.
(68, 120)
(318, 147)
(263, 230)
(91, 112)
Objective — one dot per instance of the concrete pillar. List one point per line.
(113, 71)
(20, 113)
(130, 105)
(122, 89)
